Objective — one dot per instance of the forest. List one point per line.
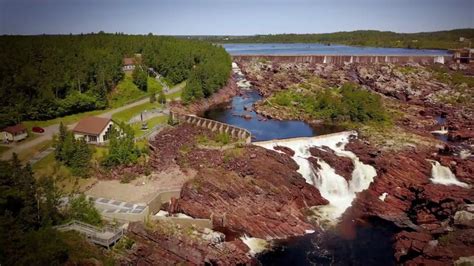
(48, 76)
(423, 40)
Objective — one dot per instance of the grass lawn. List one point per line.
(174, 95)
(28, 154)
(48, 166)
(154, 86)
(125, 92)
(151, 123)
(65, 119)
(126, 115)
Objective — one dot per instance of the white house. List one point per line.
(95, 130)
(14, 133)
(128, 64)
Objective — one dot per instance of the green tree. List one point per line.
(140, 78)
(122, 148)
(80, 161)
(152, 97)
(82, 209)
(162, 97)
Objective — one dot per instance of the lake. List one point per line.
(320, 49)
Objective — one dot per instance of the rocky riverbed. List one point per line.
(422, 191)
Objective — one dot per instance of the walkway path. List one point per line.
(100, 236)
(50, 131)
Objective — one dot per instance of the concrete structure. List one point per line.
(95, 130)
(345, 59)
(121, 211)
(14, 133)
(464, 56)
(106, 236)
(236, 132)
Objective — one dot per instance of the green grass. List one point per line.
(65, 119)
(126, 115)
(28, 154)
(174, 95)
(125, 92)
(154, 86)
(151, 123)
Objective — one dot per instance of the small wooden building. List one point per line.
(14, 133)
(95, 130)
(464, 56)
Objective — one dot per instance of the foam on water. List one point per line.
(443, 175)
(256, 245)
(332, 186)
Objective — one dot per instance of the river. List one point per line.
(332, 247)
(320, 49)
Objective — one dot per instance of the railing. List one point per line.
(105, 236)
(240, 133)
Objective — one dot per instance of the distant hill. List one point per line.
(422, 40)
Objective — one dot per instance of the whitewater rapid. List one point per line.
(333, 187)
(442, 175)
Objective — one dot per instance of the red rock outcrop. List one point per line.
(155, 247)
(342, 165)
(223, 95)
(423, 210)
(247, 189)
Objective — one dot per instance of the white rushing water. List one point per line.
(443, 175)
(256, 245)
(332, 186)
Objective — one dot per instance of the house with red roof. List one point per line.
(95, 130)
(14, 133)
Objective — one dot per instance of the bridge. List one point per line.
(105, 237)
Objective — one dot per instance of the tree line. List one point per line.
(422, 40)
(43, 77)
(29, 208)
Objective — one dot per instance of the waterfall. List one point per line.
(332, 186)
(443, 175)
(256, 245)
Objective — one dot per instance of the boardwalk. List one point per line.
(105, 237)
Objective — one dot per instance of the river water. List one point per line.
(331, 247)
(320, 49)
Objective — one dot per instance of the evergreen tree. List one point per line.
(152, 97)
(162, 98)
(80, 162)
(122, 149)
(140, 78)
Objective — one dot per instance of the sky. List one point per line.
(231, 17)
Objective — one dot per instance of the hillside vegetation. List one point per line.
(43, 77)
(422, 40)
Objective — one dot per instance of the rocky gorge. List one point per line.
(414, 182)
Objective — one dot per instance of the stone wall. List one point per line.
(236, 132)
(342, 59)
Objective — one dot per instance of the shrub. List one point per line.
(84, 210)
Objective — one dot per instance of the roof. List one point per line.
(18, 128)
(128, 61)
(91, 125)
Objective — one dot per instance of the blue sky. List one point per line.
(231, 17)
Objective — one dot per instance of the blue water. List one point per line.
(319, 49)
(264, 130)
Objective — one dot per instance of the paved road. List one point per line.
(50, 131)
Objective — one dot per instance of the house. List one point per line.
(464, 55)
(14, 133)
(128, 64)
(95, 130)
